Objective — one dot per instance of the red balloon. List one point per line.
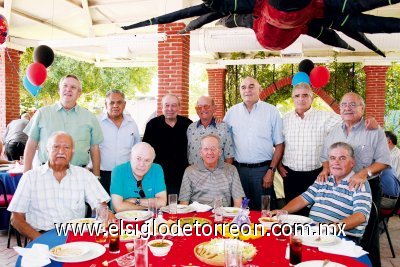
(36, 73)
(319, 76)
(3, 29)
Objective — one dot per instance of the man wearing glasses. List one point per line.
(372, 155)
(133, 182)
(205, 108)
(211, 178)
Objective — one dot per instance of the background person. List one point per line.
(14, 137)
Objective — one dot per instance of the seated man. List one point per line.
(211, 178)
(55, 192)
(133, 182)
(333, 201)
(390, 188)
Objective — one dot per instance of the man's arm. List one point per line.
(323, 175)
(29, 153)
(296, 204)
(268, 179)
(353, 220)
(18, 221)
(95, 156)
(119, 204)
(360, 177)
(237, 203)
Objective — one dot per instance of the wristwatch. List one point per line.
(137, 202)
(369, 173)
(273, 169)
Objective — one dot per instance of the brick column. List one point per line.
(375, 92)
(216, 89)
(173, 65)
(9, 87)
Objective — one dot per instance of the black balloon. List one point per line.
(306, 66)
(44, 55)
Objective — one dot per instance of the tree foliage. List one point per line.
(95, 81)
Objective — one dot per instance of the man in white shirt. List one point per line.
(55, 192)
(394, 152)
(120, 134)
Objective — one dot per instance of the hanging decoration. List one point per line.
(36, 73)
(3, 29)
(44, 55)
(33, 89)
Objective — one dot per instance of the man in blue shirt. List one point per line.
(137, 180)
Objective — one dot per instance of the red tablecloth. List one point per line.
(270, 251)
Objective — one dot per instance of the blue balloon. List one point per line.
(300, 77)
(33, 89)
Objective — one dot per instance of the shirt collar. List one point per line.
(254, 106)
(212, 123)
(45, 168)
(59, 106)
(126, 117)
(345, 179)
(202, 167)
(307, 113)
(354, 126)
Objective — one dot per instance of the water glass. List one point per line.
(232, 253)
(173, 205)
(218, 210)
(282, 216)
(141, 253)
(265, 205)
(152, 206)
(296, 248)
(114, 235)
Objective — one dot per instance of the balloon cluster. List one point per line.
(3, 29)
(316, 76)
(36, 73)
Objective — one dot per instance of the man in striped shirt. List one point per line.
(333, 201)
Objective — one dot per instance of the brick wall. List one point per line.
(375, 92)
(173, 65)
(216, 89)
(9, 87)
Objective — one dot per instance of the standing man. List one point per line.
(66, 116)
(256, 128)
(205, 108)
(120, 135)
(371, 157)
(394, 152)
(167, 135)
(14, 137)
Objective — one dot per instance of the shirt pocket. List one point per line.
(364, 155)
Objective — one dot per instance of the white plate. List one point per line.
(182, 209)
(230, 211)
(85, 222)
(134, 215)
(292, 218)
(5, 168)
(69, 250)
(95, 251)
(320, 241)
(125, 237)
(316, 263)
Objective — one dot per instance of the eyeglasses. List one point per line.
(205, 107)
(350, 105)
(212, 149)
(141, 192)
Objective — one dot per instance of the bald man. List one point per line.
(133, 182)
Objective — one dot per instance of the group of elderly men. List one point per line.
(330, 162)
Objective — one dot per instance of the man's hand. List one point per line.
(282, 171)
(357, 180)
(268, 179)
(218, 120)
(323, 176)
(371, 123)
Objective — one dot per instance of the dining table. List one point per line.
(10, 181)
(270, 250)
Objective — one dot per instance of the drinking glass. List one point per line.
(282, 216)
(102, 219)
(218, 210)
(141, 253)
(296, 248)
(265, 205)
(152, 206)
(232, 253)
(173, 205)
(114, 235)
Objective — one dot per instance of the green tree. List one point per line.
(95, 81)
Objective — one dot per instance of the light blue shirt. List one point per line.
(118, 142)
(256, 133)
(79, 122)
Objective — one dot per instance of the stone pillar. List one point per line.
(216, 89)
(375, 92)
(173, 65)
(9, 87)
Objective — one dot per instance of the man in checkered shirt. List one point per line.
(55, 192)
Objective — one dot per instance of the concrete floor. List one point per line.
(8, 257)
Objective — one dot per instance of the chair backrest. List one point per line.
(3, 195)
(88, 210)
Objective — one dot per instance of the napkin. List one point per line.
(17, 169)
(345, 248)
(36, 256)
(200, 207)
